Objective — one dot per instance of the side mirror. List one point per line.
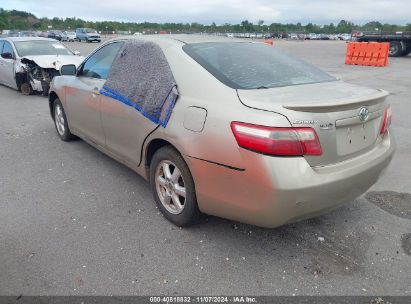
(68, 70)
(77, 53)
(7, 56)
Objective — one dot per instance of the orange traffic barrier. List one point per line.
(367, 53)
(269, 42)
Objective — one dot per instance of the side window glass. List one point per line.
(99, 64)
(1, 46)
(7, 48)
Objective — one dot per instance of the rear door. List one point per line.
(125, 127)
(83, 96)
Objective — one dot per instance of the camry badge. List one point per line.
(364, 114)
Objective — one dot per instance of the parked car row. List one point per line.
(291, 36)
(313, 36)
(81, 34)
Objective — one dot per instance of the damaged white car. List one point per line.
(28, 64)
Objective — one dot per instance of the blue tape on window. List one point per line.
(156, 118)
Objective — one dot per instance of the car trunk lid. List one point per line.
(332, 109)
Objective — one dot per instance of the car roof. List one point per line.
(14, 39)
(179, 39)
(195, 38)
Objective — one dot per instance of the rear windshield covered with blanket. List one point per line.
(244, 65)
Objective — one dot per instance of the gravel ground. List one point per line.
(75, 222)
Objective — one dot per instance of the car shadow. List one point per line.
(329, 244)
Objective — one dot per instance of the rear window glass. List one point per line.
(245, 65)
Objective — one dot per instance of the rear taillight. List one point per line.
(386, 120)
(277, 141)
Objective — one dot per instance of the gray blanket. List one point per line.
(141, 78)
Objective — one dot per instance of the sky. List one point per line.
(221, 11)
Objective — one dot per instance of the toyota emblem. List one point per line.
(364, 114)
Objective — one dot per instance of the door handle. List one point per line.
(95, 92)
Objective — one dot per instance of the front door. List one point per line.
(83, 95)
(7, 64)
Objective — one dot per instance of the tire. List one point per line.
(167, 184)
(60, 122)
(395, 49)
(26, 89)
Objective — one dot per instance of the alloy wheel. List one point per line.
(170, 187)
(59, 120)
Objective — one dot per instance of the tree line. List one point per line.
(19, 20)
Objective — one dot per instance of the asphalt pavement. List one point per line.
(75, 222)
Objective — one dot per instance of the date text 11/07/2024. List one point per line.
(239, 299)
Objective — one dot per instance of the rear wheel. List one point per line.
(173, 188)
(60, 121)
(395, 49)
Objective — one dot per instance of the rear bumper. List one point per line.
(273, 191)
